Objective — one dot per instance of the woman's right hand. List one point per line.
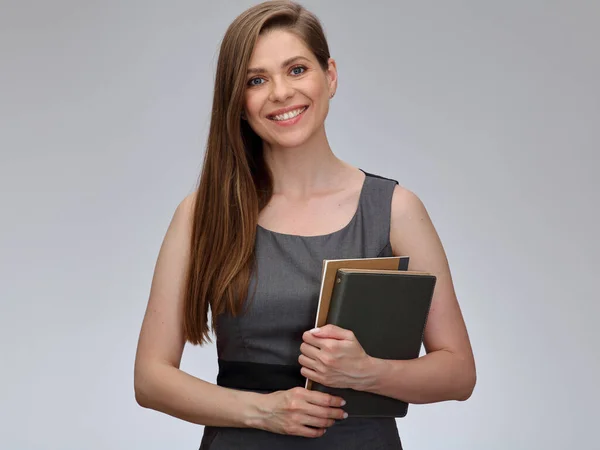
(298, 409)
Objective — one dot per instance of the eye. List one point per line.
(298, 70)
(251, 82)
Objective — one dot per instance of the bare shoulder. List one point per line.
(410, 225)
(185, 209)
(405, 202)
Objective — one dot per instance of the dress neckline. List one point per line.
(328, 235)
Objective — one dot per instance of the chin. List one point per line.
(298, 139)
(290, 142)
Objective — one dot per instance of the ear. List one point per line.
(243, 115)
(332, 77)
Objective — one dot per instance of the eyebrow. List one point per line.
(287, 62)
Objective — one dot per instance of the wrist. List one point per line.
(255, 410)
(371, 371)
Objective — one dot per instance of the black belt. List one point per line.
(258, 376)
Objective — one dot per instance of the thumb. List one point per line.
(329, 331)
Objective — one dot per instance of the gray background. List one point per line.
(488, 110)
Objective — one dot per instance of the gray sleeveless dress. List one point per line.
(258, 350)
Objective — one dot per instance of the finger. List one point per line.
(311, 432)
(317, 421)
(312, 368)
(322, 399)
(309, 338)
(308, 363)
(332, 332)
(309, 350)
(313, 375)
(317, 342)
(324, 412)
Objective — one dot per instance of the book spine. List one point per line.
(403, 263)
(335, 304)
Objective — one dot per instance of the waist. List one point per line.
(259, 376)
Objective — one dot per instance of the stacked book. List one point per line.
(386, 307)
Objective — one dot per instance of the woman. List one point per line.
(273, 202)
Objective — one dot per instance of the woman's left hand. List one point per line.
(332, 356)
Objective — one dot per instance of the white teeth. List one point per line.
(289, 115)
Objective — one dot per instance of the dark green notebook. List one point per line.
(387, 311)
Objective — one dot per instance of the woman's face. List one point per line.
(287, 92)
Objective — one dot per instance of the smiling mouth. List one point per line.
(288, 115)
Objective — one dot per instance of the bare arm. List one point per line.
(162, 386)
(447, 371)
(158, 381)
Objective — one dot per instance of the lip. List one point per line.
(290, 122)
(284, 110)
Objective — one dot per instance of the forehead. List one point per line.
(275, 46)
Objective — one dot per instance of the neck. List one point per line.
(301, 171)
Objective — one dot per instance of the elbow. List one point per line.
(147, 381)
(468, 386)
(141, 388)
(140, 396)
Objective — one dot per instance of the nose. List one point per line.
(281, 90)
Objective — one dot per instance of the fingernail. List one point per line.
(345, 415)
(343, 402)
(315, 330)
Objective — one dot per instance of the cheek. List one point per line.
(321, 90)
(252, 105)
(320, 94)
(321, 99)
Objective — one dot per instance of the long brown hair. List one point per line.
(235, 182)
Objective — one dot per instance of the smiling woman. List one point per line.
(274, 201)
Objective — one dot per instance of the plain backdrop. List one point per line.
(489, 111)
